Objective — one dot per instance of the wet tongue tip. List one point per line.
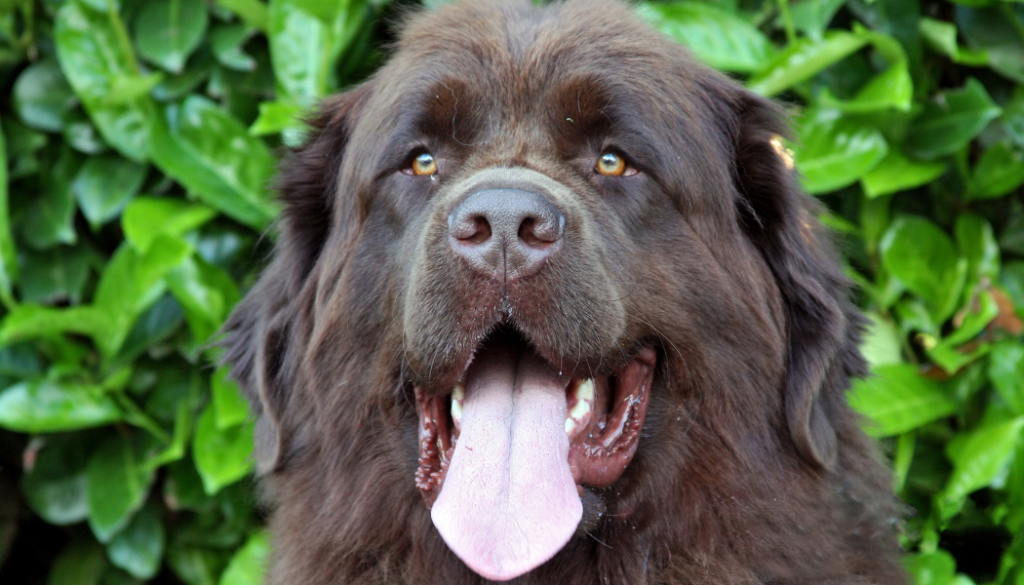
(509, 502)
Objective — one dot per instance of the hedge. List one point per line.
(140, 135)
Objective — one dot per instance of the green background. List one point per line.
(140, 135)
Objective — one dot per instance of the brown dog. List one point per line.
(547, 305)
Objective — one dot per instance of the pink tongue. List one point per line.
(509, 502)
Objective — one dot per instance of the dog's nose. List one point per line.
(506, 233)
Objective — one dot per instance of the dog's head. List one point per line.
(556, 263)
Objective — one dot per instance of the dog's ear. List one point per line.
(261, 337)
(823, 325)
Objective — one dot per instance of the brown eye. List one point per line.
(424, 164)
(611, 165)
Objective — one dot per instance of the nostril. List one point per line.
(542, 232)
(481, 230)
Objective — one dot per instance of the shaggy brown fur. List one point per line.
(750, 467)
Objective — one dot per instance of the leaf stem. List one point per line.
(787, 21)
(139, 418)
(122, 35)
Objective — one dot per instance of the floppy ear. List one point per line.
(262, 336)
(823, 325)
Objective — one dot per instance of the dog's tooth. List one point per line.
(580, 409)
(570, 424)
(585, 391)
(458, 395)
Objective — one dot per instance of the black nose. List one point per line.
(506, 233)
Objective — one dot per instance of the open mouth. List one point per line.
(505, 454)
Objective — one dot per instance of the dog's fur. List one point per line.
(750, 467)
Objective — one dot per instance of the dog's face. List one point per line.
(554, 268)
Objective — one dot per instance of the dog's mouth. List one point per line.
(505, 454)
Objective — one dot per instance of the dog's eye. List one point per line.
(612, 165)
(424, 164)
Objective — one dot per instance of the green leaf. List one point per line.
(139, 548)
(999, 171)
(897, 173)
(209, 152)
(1013, 117)
(249, 565)
(79, 563)
(996, 31)
(935, 568)
(205, 292)
(230, 407)
(94, 55)
(48, 219)
(195, 565)
(1006, 370)
(813, 17)
(42, 96)
(46, 406)
(222, 456)
(8, 255)
(890, 89)
(898, 399)
(167, 31)
(33, 321)
(941, 36)
(1012, 279)
(146, 218)
(54, 484)
(924, 259)
(978, 457)
(57, 275)
(948, 353)
(975, 238)
(117, 485)
(253, 12)
(306, 40)
(881, 343)
(104, 185)
(951, 120)
(276, 117)
(130, 284)
(227, 41)
(803, 59)
(835, 151)
(720, 39)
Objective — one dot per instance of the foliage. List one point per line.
(139, 139)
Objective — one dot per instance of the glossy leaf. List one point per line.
(835, 151)
(720, 39)
(79, 563)
(934, 568)
(130, 284)
(54, 484)
(941, 36)
(249, 564)
(139, 548)
(48, 219)
(948, 353)
(999, 171)
(94, 56)
(57, 275)
(951, 120)
(924, 259)
(898, 399)
(881, 343)
(803, 59)
(104, 185)
(226, 42)
(1006, 370)
(253, 12)
(979, 456)
(47, 406)
(896, 173)
(167, 31)
(8, 255)
(229, 405)
(222, 456)
(42, 96)
(994, 31)
(211, 154)
(975, 238)
(117, 485)
(146, 218)
(306, 40)
(205, 292)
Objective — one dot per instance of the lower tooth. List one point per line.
(458, 395)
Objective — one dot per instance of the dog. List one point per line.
(548, 306)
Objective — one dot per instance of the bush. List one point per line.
(140, 136)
